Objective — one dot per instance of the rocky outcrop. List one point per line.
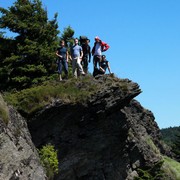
(18, 155)
(107, 137)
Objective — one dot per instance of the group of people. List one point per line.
(80, 55)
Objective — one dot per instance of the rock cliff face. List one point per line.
(18, 155)
(108, 137)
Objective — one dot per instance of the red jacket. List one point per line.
(104, 47)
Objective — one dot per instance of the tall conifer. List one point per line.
(176, 148)
(30, 55)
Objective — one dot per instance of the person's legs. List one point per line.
(95, 71)
(60, 77)
(60, 70)
(85, 65)
(80, 66)
(94, 62)
(100, 72)
(96, 59)
(65, 65)
(74, 67)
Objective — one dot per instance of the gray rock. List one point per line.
(18, 155)
(109, 137)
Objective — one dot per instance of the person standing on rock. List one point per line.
(86, 55)
(62, 61)
(76, 57)
(98, 48)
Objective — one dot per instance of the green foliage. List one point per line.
(143, 175)
(32, 99)
(169, 135)
(152, 145)
(4, 113)
(49, 160)
(67, 35)
(152, 173)
(1, 34)
(176, 147)
(31, 54)
(167, 168)
(171, 167)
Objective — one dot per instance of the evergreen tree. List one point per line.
(176, 148)
(169, 135)
(1, 34)
(67, 36)
(28, 58)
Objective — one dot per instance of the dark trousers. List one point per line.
(96, 59)
(84, 63)
(61, 64)
(97, 71)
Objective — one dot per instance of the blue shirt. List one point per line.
(62, 51)
(75, 51)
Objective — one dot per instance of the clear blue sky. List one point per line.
(144, 39)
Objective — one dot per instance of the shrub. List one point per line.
(172, 167)
(31, 100)
(49, 160)
(152, 173)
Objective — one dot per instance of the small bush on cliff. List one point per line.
(49, 160)
(152, 145)
(153, 173)
(165, 169)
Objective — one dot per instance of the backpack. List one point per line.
(82, 40)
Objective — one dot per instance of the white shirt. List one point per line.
(98, 49)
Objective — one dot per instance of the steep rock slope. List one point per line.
(18, 155)
(108, 137)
